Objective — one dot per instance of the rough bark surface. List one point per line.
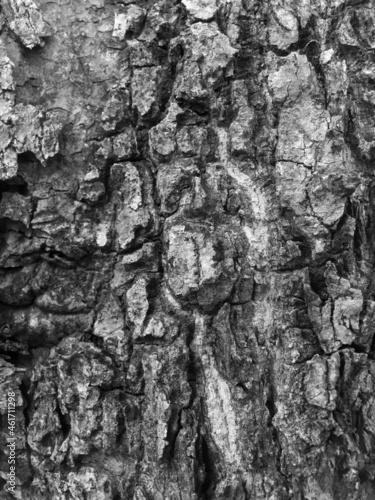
(187, 223)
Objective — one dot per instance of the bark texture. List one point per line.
(187, 224)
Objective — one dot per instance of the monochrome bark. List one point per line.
(187, 221)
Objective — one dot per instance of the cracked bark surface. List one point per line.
(187, 222)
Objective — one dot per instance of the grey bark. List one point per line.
(187, 223)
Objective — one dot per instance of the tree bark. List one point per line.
(187, 223)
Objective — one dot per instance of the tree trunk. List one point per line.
(187, 223)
